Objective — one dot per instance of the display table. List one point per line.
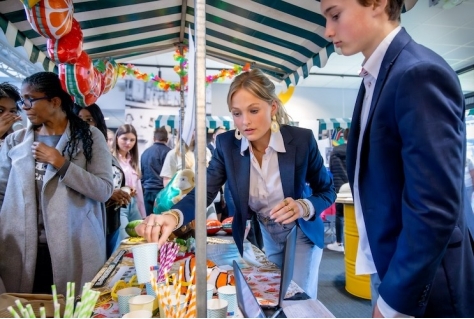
(357, 285)
(264, 281)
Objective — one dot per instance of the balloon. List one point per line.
(68, 48)
(286, 96)
(51, 18)
(80, 81)
(109, 72)
(29, 3)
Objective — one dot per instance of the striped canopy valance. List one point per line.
(212, 122)
(333, 123)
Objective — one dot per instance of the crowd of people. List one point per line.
(69, 186)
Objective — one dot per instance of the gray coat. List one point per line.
(73, 209)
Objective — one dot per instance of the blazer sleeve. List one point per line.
(96, 179)
(430, 121)
(216, 177)
(319, 180)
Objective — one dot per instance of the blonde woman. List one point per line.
(267, 165)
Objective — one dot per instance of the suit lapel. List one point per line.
(354, 133)
(397, 45)
(242, 176)
(286, 163)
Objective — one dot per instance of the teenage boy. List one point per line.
(405, 160)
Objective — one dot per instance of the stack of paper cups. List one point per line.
(228, 293)
(145, 257)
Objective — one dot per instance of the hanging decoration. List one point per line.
(81, 80)
(68, 48)
(51, 18)
(130, 70)
(286, 96)
(29, 3)
(86, 81)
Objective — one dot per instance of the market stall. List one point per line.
(263, 277)
(245, 32)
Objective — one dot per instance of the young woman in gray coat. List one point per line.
(54, 177)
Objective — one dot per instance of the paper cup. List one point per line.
(182, 303)
(124, 295)
(228, 293)
(142, 302)
(217, 308)
(138, 314)
(210, 291)
(144, 257)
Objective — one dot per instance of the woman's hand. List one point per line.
(157, 228)
(120, 197)
(286, 211)
(6, 122)
(45, 154)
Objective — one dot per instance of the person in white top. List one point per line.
(267, 166)
(405, 164)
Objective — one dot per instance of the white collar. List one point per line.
(374, 62)
(276, 143)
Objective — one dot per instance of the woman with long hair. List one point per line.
(94, 117)
(125, 150)
(53, 185)
(267, 165)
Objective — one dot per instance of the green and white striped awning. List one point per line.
(212, 122)
(16, 39)
(333, 123)
(284, 38)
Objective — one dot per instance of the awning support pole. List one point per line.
(200, 134)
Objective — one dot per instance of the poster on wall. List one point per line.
(147, 95)
(144, 102)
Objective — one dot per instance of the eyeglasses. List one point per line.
(27, 103)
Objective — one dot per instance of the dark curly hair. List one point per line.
(96, 114)
(10, 91)
(49, 84)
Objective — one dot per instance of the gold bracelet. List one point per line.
(305, 207)
(175, 215)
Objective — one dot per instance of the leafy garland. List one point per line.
(130, 70)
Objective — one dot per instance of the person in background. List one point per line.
(53, 185)
(151, 163)
(173, 163)
(9, 110)
(110, 139)
(125, 150)
(94, 117)
(212, 145)
(337, 166)
(405, 163)
(468, 184)
(219, 202)
(266, 165)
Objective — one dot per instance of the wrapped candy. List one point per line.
(51, 18)
(68, 48)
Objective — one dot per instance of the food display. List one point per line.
(213, 226)
(227, 225)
